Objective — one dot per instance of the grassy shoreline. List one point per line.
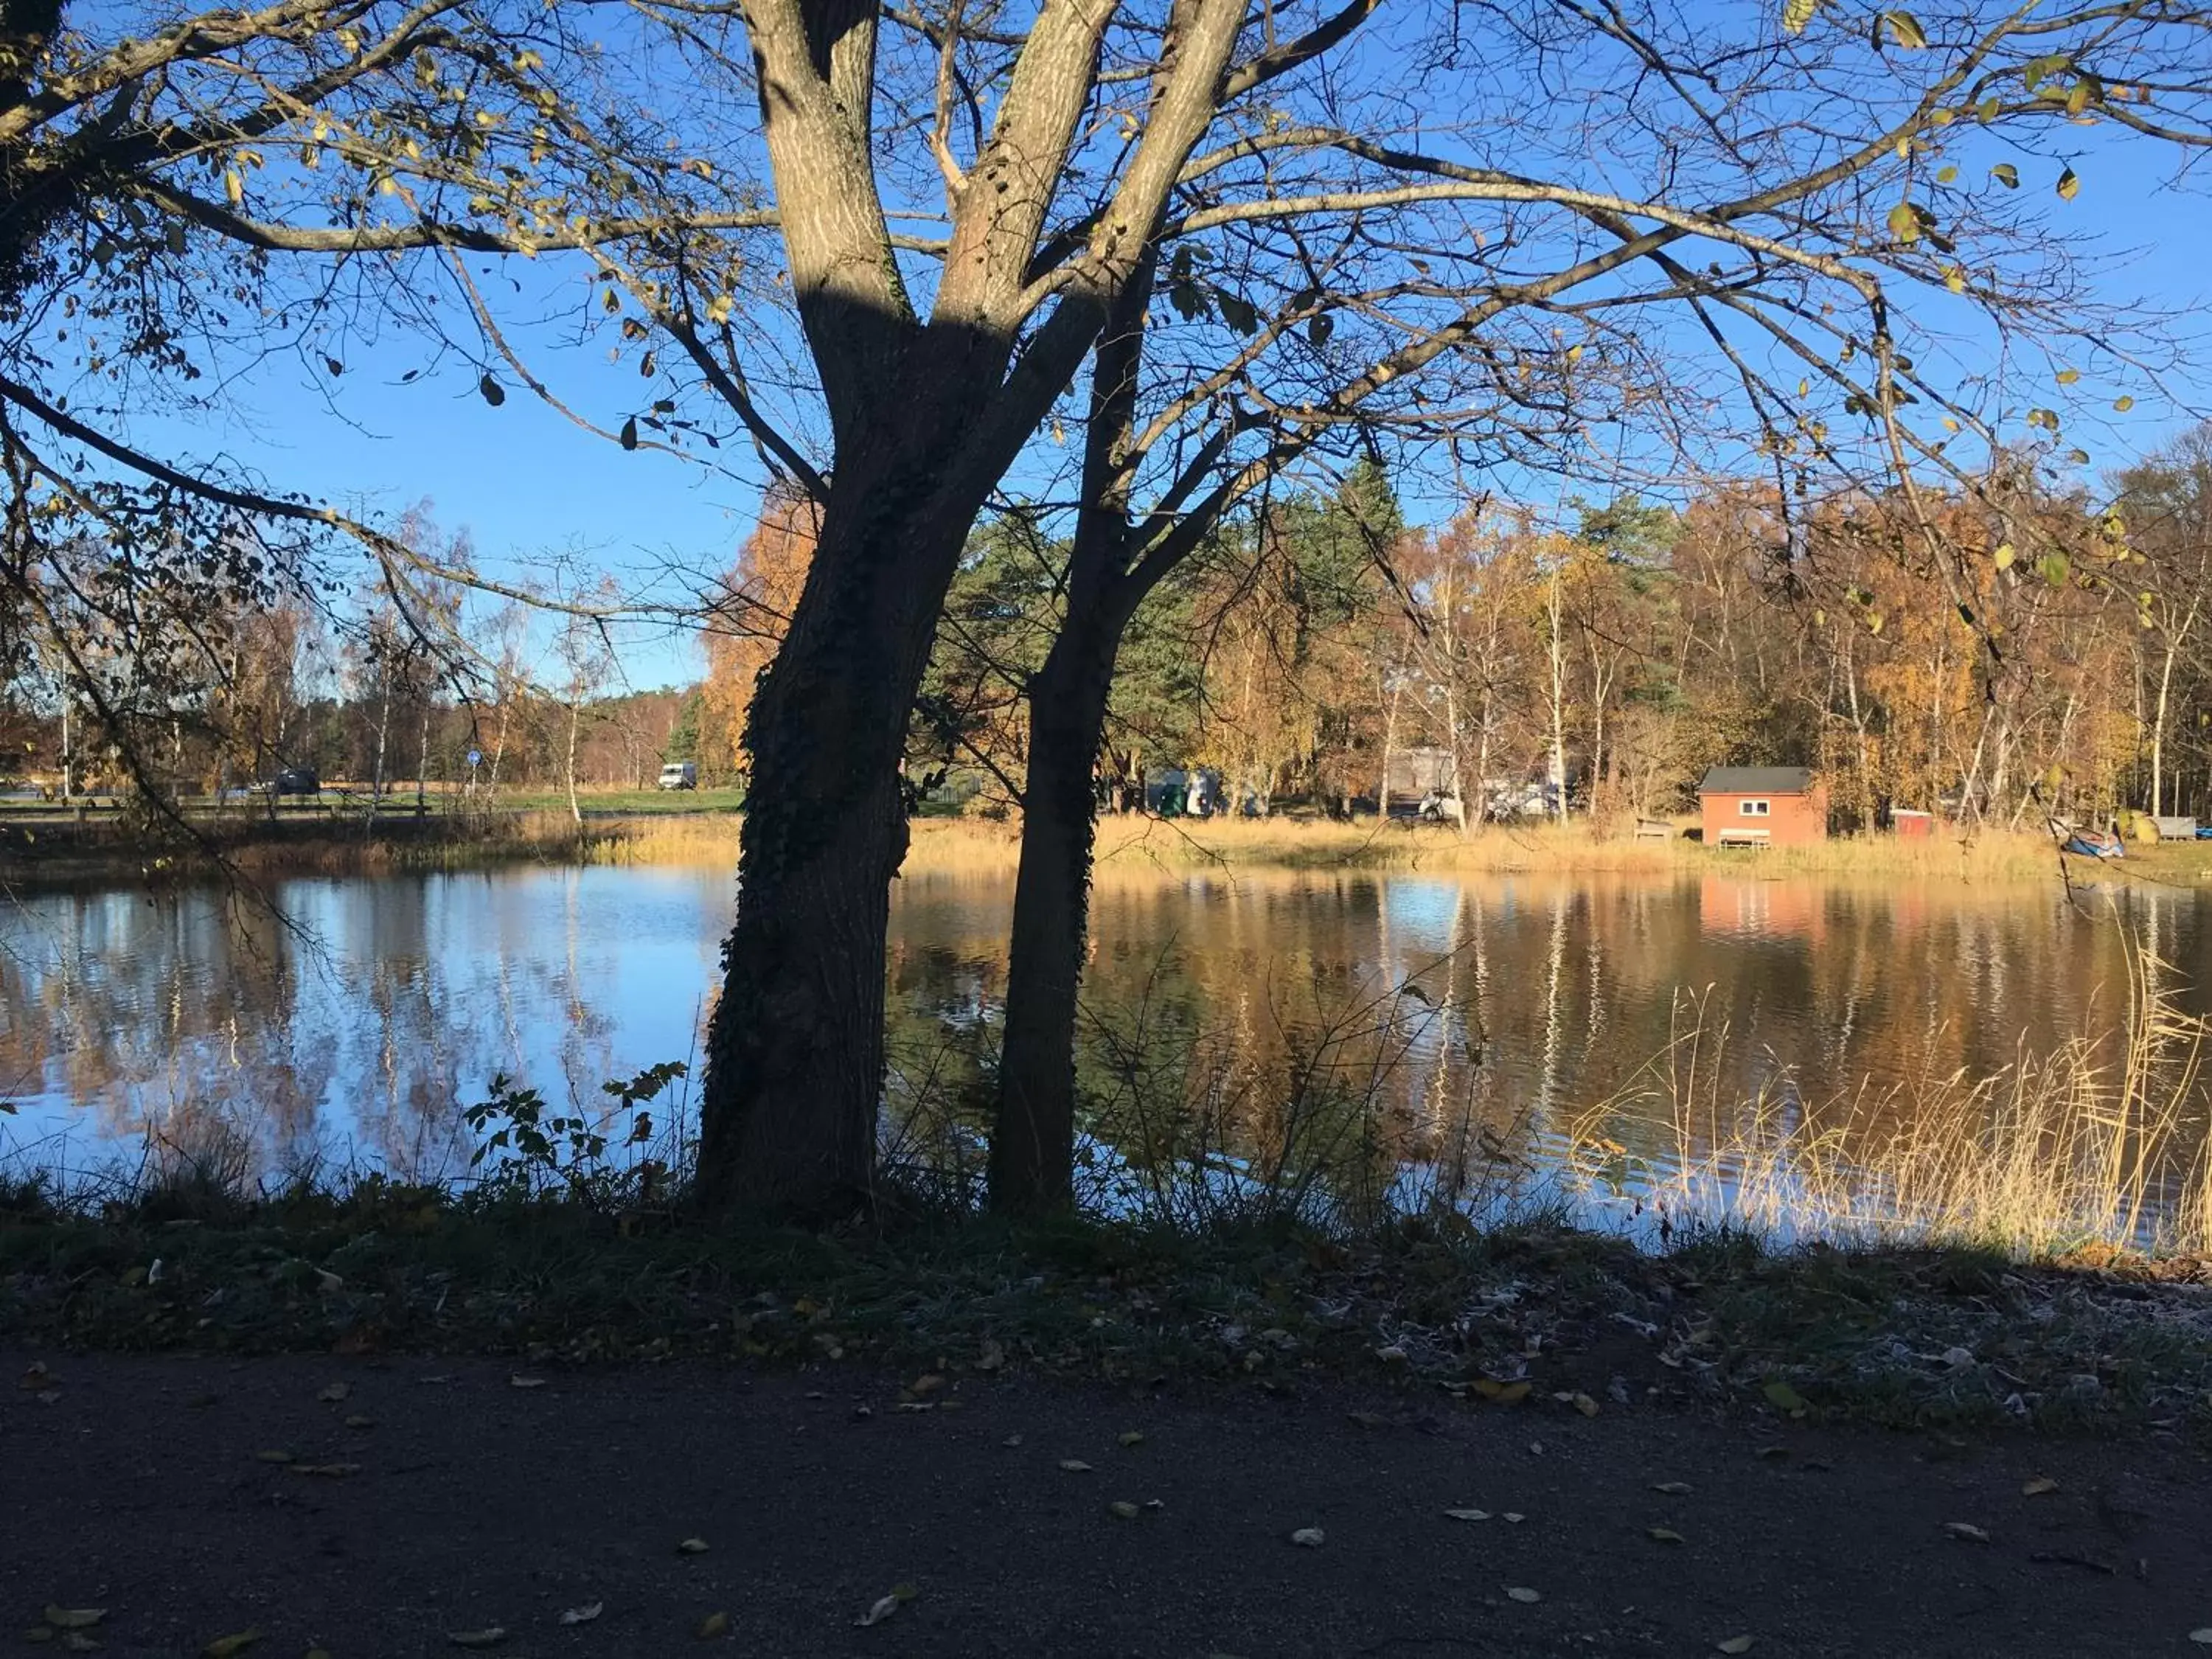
(1136, 846)
(679, 830)
(1536, 1317)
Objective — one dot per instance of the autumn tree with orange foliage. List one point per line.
(750, 611)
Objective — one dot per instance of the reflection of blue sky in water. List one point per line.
(119, 1012)
(351, 1039)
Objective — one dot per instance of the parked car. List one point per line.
(296, 781)
(680, 774)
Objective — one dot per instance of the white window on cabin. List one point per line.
(1755, 809)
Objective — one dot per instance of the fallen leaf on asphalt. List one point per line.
(75, 1618)
(519, 1381)
(692, 1546)
(2037, 1488)
(1673, 1488)
(1771, 1451)
(1733, 1644)
(38, 1634)
(992, 1356)
(926, 1385)
(1501, 1393)
(1311, 1538)
(76, 1641)
(917, 1405)
(36, 1376)
(1130, 1437)
(361, 1422)
(1966, 1531)
(713, 1627)
(1075, 1466)
(227, 1647)
(327, 1471)
(1585, 1405)
(274, 1456)
(584, 1614)
(1468, 1514)
(336, 1392)
(1523, 1593)
(1012, 1440)
(1664, 1535)
(490, 1636)
(887, 1606)
(1122, 1510)
(1783, 1398)
(2202, 1638)
(1514, 1516)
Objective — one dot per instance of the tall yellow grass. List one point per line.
(1132, 844)
(2103, 1141)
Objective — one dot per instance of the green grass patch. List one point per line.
(1534, 1318)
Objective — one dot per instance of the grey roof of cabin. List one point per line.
(1757, 781)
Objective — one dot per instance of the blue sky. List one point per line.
(538, 495)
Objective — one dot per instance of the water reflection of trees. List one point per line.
(350, 1030)
(338, 1026)
(1540, 999)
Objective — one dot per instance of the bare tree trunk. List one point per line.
(795, 1051)
(575, 719)
(1034, 1129)
(383, 735)
(422, 763)
(1481, 767)
(1559, 696)
(499, 744)
(1389, 747)
(1033, 1137)
(1867, 803)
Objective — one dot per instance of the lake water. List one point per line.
(347, 1030)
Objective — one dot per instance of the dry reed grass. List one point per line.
(2103, 1141)
(1136, 844)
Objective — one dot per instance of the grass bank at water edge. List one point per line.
(1530, 1317)
(1136, 847)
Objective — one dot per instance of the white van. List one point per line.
(680, 774)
